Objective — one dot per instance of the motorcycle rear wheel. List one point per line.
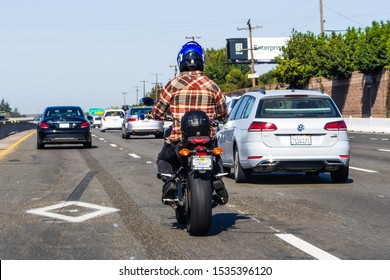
(199, 204)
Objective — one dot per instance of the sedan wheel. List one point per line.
(240, 175)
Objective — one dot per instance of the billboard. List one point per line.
(237, 49)
(264, 49)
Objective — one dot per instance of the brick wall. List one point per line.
(359, 96)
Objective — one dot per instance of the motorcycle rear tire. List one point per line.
(199, 198)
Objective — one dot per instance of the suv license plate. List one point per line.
(300, 139)
(201, 163)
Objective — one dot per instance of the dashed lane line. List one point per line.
(364, 170)
(306, 247)
(134, 155)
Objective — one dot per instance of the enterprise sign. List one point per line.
(264, 49)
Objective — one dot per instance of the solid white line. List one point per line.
(365, 170)
(134, 156)
(383, 150)
(306, 247)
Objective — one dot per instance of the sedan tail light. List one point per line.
(132, 119)
(262, 126)
(85, 124)
(338, 126)
(43, 125)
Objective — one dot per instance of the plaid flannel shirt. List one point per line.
(190, 91)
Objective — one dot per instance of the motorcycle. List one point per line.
(194, 198)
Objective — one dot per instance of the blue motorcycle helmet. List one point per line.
(190, 57)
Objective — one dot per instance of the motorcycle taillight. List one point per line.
(198, 140)
(200, 151)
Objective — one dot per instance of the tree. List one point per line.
(333, 56)
(299, 60)
(4, 106)
(227, 75)
(372, 50)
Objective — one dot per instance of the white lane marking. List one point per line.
(280, 193)
(148, 162)
(274, 229)
(383, 150)
(113, 145)
(101, 139)
(364, 170)
(134, 156)
(306, 247)
(100, 210)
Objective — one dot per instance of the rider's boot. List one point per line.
(169, 188)
(222, 196)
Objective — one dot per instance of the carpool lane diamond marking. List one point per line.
(99, 211)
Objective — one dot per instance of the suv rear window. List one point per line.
(114, 114)
(297, 107)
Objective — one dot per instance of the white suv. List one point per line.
(112, 119)
(285, 130)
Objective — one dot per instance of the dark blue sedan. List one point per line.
(64, 125)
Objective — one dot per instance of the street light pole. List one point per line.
(124, 98)
(144, 92)
(136, 90)
(156, 85)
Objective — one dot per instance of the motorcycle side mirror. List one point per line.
(147, 101)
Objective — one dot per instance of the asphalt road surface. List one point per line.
(66, 202)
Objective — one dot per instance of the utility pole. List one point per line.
(136, 90)
(193, 37)
(175, 69)
(124, 97)
(250, 28)
(144, 89)
(321, 17)
(156, 85)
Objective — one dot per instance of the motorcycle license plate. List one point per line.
(202, 163)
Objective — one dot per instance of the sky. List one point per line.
(97, 53)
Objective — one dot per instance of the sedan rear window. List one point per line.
(299, 107)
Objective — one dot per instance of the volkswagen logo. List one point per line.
(301, 127)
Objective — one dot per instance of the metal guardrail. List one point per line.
(10, 127)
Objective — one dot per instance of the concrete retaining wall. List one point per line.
(11, 127)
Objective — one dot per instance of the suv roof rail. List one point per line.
(261, 90)
(317, 89)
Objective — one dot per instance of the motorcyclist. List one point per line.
(191, 90)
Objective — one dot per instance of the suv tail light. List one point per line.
(262, 126)
(338, 126)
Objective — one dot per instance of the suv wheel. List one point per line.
(240, 175)
(340, 175)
